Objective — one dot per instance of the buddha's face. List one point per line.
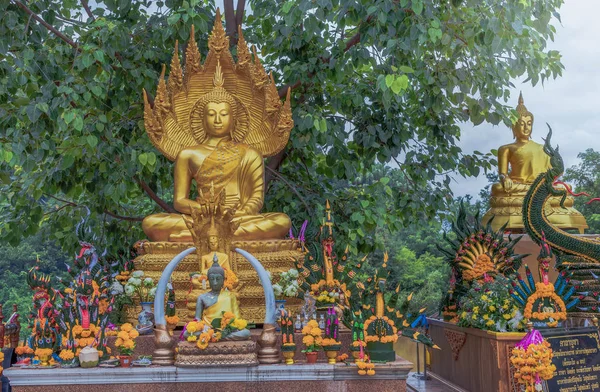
(523, 127)
(216, 281)
(213, 242)
(217, 119)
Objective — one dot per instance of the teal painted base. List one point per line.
(381, 352)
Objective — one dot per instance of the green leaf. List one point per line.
(143, 158)
(78, 123)
(287, 6)
(317, 124)
(417, 6)
(151, 158)
(389, 80)
(174, 18)
(68, 116)
(87, 60)
(384, 180)
(92, 140)
(99, 55)
(67, 162)
(406, 69)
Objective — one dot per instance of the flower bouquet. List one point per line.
(229, 324)
(24, 355)
(200, 333)
(142, 288)
(126, 343)
(489, 306)
(532, 359)
(287, 286)
(312, 340)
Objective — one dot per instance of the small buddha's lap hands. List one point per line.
(507, 183)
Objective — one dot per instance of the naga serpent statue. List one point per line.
(578, 256)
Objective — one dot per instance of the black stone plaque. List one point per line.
(577, 360)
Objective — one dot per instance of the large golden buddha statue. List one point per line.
(217, 121)
(519, 164)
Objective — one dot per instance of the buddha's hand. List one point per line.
(507, 183)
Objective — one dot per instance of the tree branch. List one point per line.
(50, 28)
(293, 188)
(125, 218)
(272, 165)
(230, 24)
(155, 197)
(85, 5)
(239, 12)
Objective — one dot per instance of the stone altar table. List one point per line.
(290, 378)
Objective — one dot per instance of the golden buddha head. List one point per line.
(524, 124)
(219, 113)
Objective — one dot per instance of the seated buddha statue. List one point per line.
(519, 164)
(218, 134)
(213, 304)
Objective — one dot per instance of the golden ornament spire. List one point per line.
(521, 109)
(218, 41)
(175, 83)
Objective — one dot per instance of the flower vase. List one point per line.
(289, 357)
(145, 324)
(45, 360)
(125, 360)
(311, 357)
(331, 356)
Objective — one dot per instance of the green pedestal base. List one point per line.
(381, 352)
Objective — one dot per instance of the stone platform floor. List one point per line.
(263, 378)
(414, 383)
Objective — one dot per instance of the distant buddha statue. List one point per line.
(213, 304)
(218, 133)
(519, 164)
(208, 259)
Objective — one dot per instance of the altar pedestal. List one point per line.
(473, 359)
(264, 378)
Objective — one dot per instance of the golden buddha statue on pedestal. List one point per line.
(519, 164)
(217, 121)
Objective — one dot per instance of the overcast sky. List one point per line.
(570, 104)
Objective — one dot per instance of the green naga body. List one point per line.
(578, 255)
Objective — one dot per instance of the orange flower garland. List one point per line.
(482, 265)
(543, 290)
(393, 338)
(533, 364)
(365, 368)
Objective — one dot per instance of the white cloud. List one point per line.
(569, 104)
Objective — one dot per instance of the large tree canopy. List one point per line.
(374, 83)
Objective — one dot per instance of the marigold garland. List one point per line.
(365, 368)
(172, 319)
(66, 355)
(533, 364)
(543, 290)
(483, 265)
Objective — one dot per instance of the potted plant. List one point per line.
(126, 343)
(312, 340)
